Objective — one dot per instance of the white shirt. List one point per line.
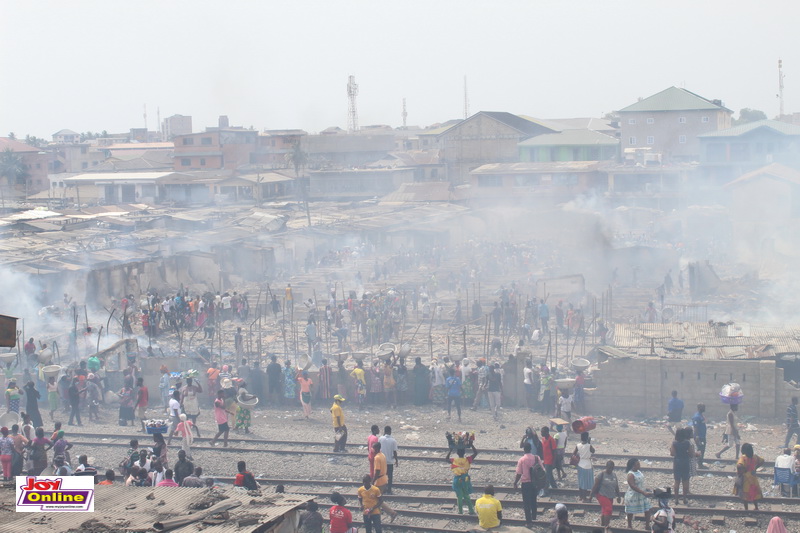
(784, 461)
(174, 408)
(566, 404)
(388, 447)
(528, 376)
(585, 453)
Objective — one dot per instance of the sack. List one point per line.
(574, 459)
(538, 476)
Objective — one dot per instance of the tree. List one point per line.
(33, 140)
(12, 136)
(12, 167)
(749, 115)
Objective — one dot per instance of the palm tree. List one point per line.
(12, 168)
(299, 159)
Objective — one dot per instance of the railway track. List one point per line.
(306, 451)
(429, 449)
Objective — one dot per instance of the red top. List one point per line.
(548, 445)
(145, 397)
(341, 518)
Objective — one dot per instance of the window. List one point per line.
(83, 149)
(704, 120)
(651, 139)
(202, 162)
(650, 120)
(84, 165)
(185, 162)
(682, 139)
(187, 141)
(205, 140)
(682, 120)
(632, 140)
(434, 172)
(632, 121)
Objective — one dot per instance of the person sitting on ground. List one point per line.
(244, 478)
(84, 468)
(664, 518)
(143, 479)
(490, 512)
(60, 466)
(110, 476)
(133, 475)
(168, 481)
(195, 480)
(310, 520)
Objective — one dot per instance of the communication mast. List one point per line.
(145, 117)
(352, 110)
(405, 114)
(466, 99)
(780, 87)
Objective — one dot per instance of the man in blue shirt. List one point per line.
(699, 426)
(675, 408)
(453, 384)
(544, 315)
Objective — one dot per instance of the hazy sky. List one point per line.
(92, 65)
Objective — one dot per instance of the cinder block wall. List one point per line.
(641, 386)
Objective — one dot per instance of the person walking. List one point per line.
(584, 450)
(305, 392)
(462, 484)
(374, 436)
(221, 418)
(6, 452)
(339, 427)
(605, 489)
(275, 380)
(495, 390)
(732, 438)
(483, 384)
(75, 392)
(371, 501)
(32, 403)
(549, 457)
(163, 387)
(792, 423)
(380, 479)
(453, 385)
(389, 448)
(525, 466)
(746, 485)
(699, 430)
(636, 497)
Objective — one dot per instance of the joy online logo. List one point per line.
(59, 494)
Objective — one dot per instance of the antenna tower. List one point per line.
(405, 113)
(466, 99)
(780, 87)
(158, 124)
(352, 110)
(145, 117)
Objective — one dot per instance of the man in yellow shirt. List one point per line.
(489, 510)
(339, 429)
(371, 501)
(381, 479)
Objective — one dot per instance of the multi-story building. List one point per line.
(66, 137)
(175, 125)
(273, 147)
(669, 123)
(35, 161)
(485, 137)
(217, 148)
(570, 145)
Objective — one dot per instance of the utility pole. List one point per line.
(404, 114)
(780, 88)
(352, 109)
(466, 99)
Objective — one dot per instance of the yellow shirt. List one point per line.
(358, 373)
(460, 465)
(380, 464)
(369, 498)
(337, 412)
(487, 508)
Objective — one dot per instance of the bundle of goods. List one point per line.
(731, 394)
(459, 439)
(156, 426)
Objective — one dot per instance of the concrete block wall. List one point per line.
(640, 387)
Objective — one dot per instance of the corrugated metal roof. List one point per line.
(576, 137)
(704, 340)
(130, 509)
(672, 99)
(774, 125)
(526, 168)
